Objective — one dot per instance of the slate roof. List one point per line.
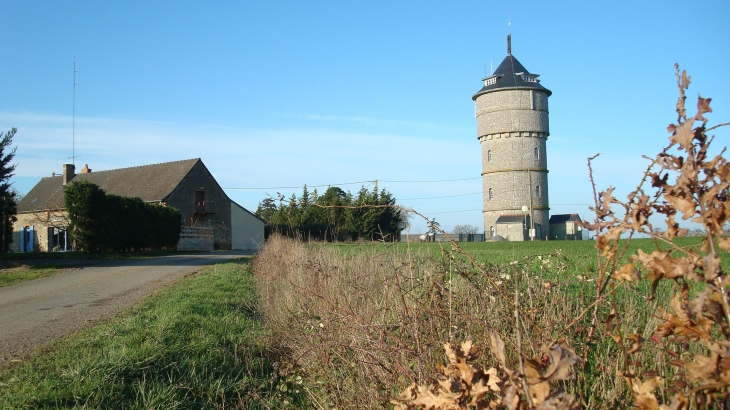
(562, 218)
(507, 78)
(151, 183)
(507, 219)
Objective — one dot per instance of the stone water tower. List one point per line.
(512, 126)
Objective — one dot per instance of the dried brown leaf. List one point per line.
(703, 107)
(609, 319)
(677, 402)
(496, 345)
(559, 401)
(636, 343)
(643, 396)
(628, 273)
(684, 135)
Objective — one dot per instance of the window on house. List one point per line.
(59, 240)
(491, 194)
(489, 156)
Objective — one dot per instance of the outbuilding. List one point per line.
(565, 227)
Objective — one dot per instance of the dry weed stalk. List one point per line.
(699, 313)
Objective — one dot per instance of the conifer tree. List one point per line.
(8, 199)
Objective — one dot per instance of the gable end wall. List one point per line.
(183, 198)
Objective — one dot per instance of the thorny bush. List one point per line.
(694, 329)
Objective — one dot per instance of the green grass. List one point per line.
(581, 254)
(195, 345)
(12, 276)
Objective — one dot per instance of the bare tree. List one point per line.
(466, 229)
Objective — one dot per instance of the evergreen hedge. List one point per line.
(335, 216)
(113, 223)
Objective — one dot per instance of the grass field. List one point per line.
(197, 344)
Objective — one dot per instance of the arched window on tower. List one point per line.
(537, 191)
(491, 231)
(491, 194)
(489, 156)
(537, 153)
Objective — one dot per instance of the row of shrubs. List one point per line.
(113, 223)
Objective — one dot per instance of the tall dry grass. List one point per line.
(361, 326)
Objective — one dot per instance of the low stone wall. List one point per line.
(477, 237)
(195, 238)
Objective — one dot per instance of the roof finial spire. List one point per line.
(509, 44)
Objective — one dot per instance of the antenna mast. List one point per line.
(73, 123)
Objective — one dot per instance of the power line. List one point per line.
(302, 186)
(436, 197)
(450, 212)
(351, 183)
(440, 180)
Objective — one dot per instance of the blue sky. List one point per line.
(280, 94)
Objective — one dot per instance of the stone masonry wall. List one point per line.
(512, 110)
(183, 198)
(513, 128)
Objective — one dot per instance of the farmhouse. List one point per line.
(186, 185)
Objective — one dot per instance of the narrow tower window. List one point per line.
(491, 231)
(537, 191)
(537, 153)
(489, 156)
(491, 194)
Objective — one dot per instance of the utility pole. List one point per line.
(532, 221)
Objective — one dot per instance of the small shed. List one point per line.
(513, 227)
(564, 227)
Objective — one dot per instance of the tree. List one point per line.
(8, 197)
(267, 209)
(113, 223)
(465, 229)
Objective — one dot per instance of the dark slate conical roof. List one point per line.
(511, 75)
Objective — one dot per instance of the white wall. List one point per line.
(247, 231)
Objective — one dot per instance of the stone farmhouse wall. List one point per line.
(183, 198)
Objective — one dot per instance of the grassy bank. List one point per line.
(195, 345)
(11, 276)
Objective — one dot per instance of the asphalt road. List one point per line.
(39, 311)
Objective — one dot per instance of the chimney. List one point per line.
(68, 173)
(86, 169)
